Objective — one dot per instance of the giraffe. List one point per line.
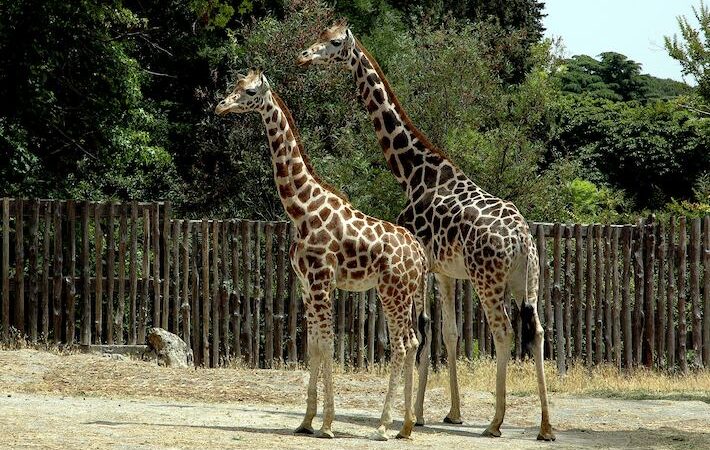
(467, 232)
(338, 246)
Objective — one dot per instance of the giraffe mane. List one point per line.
(398, 107)
(304, 155)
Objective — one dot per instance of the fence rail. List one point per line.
(96, 272)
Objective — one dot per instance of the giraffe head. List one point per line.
(333, 46)
(250, 93)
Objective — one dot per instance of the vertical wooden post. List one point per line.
(111, 258)
(608, 295)
(216, 285)
(671, 295)
(381, 344)
(661, 298)
(33, 269)
(186, 307)
(57, 284)
(70, 259)
(568, 297)
(85, 276)
(599, 297)
(247, 347)
(590, 296)
(46, 275)
(626, 245)
(175, 245)
(371, 323)
(695, 292)
(682, 333)
(293, 306)
(225, 307)
(706, 291)
(468, 318)
(155, 222)
(133, 272)
(195, 292)
(616, 298)
(557, 300)
(166, 239)
(361, 301)
(205, 240)
(6, 269)
(236, 299)
(280, 290)
(649, 294)
(268, 295)
(339, 300)
(19, 267)
(638, 290)
(578, 293)
(121, 302)
(258, 295)
(145, 294)
(99, 247)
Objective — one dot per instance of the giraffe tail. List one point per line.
(529, 304)
(420, 313)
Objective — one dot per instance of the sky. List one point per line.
(634, 28)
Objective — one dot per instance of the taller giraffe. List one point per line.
(338, 246)
(468, 233)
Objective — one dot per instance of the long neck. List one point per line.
(410, 156)
(295, 183)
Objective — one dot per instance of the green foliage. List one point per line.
(693, 50)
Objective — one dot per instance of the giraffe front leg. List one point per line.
(397, 353)
(408, 424)
(448, 310)
(546, 433)
(314, 361)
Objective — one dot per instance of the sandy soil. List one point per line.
(88, 401)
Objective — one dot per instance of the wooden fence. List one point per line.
(91, 273)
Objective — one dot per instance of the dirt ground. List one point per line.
(88, 401)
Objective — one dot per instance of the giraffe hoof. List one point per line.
(491, 433)
(304, 430)
(448, 419)
(325, 434)
(549, 436)
(401, 436)
(378, 436)
(419, 423)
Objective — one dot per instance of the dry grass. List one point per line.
(600, 381)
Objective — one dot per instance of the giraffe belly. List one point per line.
(453, 267)
(348, 284)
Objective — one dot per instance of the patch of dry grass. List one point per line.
(600, 381)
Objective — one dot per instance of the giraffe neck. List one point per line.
(296, 184)
(413, 160)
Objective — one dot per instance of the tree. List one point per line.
(693, 51)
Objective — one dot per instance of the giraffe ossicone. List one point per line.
(336, 245)
(467, 232)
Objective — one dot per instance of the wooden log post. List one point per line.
(468, 319)
(166, 240)
(86, 315)
(46, 275)
(671, 296)
(608, 295)
(268, 296)
(706, 291)
(99, 271)
(589, 303)
(339, 299)
(696, 315)
(19, 267)
(247, 342)
(371, 323)
(196, 293)
(626, 245)
(216, 294)
(206, 300)
(258, 296)
(236, 299)
(155, 222)
(132, 271)
(649, 349)
(281, 263)
(121, 301)
(144, 299)
(560, 353)
(186, 304)
(661, 252)
(70, 259)
(568, 295)
(110, 261)
(6, 269)
(638, 315)
(175, 246)
(616, 298)
(599, 296)
(225, 313)
(57, 284)
(682, 332)
(578, 292)
(381, 344)
(33, 271)
(362, 303)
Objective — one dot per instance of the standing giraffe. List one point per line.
(338, 246)
(468, 233)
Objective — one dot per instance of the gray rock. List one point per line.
(168, 349)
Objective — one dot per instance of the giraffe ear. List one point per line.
(240, 76)
(265, 86)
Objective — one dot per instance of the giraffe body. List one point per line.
(467, 232)
(338, 246)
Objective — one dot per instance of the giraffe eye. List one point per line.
(336, 42)
(251, 91)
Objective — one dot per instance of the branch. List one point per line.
(158, 74)
(690, 108)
